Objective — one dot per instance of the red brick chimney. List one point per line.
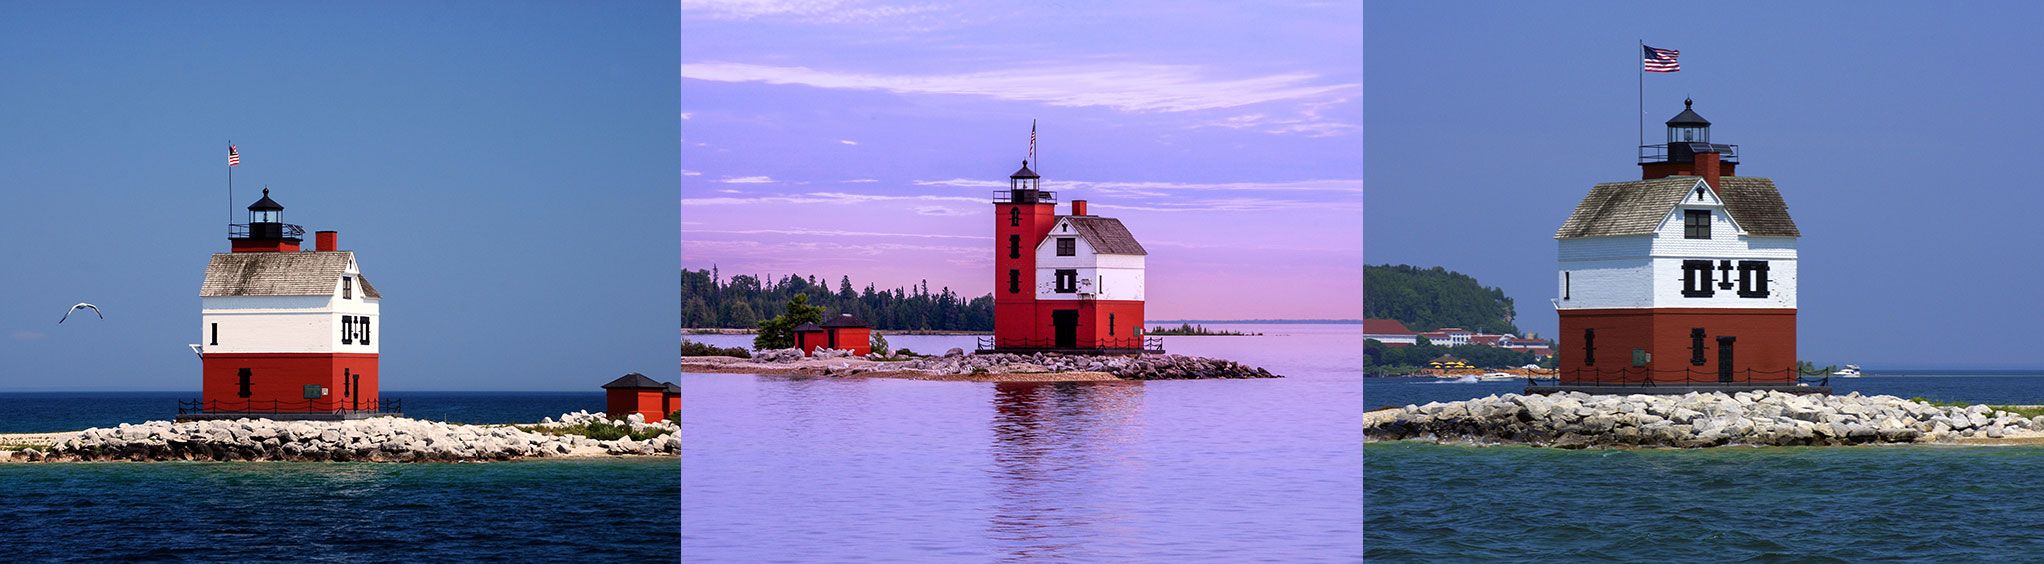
(331, 240)
(1707, 167)
(1078, 207)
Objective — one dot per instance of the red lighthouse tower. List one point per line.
(1063, 283)
(286, 334)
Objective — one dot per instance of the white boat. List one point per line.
(1850, 371)
(1497, 377)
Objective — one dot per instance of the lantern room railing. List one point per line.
(1659, 153)
(240, 231)
(1008, 196)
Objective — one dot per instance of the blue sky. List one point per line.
(852, 138)
(504, 172)
(1900, 134)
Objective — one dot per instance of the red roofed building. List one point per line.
(1391, 332)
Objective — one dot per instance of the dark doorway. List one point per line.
(833, 337)
(244, 375)
(1066, 321)
(1725, 358)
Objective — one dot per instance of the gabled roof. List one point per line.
(807, 327)
(1637, 207)
(1106, 235)
(279, 274)
(844, 320)
(673, 389)
(1386, 327)
(634, 381)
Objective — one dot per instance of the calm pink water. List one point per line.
(788, 469)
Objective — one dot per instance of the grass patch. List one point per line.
(602, 431)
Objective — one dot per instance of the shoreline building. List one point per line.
(1063, 283)
(286, 333)
(1684, 279)
(844, 332)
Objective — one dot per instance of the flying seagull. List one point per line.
(94, 308)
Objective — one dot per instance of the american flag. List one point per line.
(233, 158)
(1662, 60)
(1032, 139)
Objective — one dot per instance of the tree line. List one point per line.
(1431, 298)
(741, 302)
(1380, 359)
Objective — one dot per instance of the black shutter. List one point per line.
(1014, 246)
(1014, 217)
(1014, 281)
(216, 334)
(347, 329)
(365, 329)
(1696, 279)
(244, 374)
(1696, 346)
(1752, 279)
(1589, 347)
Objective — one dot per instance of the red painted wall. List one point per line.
(648, 403)
(262, 246)
(278, 380)
(859, 340)
(1014, 311)
(1765, 345)
(809, 340)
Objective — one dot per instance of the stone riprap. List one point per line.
(955, 361)
(1765, 418)
(379, 439)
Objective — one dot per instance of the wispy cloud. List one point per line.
(823, 198)
(26, 335)
(802, 11)
(943, 211)
(1236, 205)
(848, 141)
(1150, 188)
(1135, 87)
(686, 115)
(861, 180)
(749, 180)
(687, 172)
(729, 191)
(832, 232)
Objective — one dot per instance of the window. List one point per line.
(1014, 217)
(244, 376)
(1564, 285)
(1589, 347)
(1110, 325)
(347, 287)
(1066, 246)
(1067, 281)
(347, 329)
(347, 386)
(1696, 346)
(216, 334)
(1696, 279)
(1014, 281)
(1014, 246)
(1752, 279)
(1695, 224)
(364, 320)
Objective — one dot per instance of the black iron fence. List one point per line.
(1660, 154)
(1144, 344)
(1645, 377)
(1008, 197)
(195, 407)
(240, 231)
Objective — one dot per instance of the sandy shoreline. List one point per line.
(861, 368)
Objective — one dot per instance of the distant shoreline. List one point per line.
(728, 331)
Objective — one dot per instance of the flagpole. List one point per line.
(230, 189)
(1642, 97)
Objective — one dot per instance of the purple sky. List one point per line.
(835, 138)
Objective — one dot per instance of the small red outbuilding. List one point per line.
(841, 332)
(635, 393)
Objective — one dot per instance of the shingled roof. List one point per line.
(634, 381)
(1637, 207)
(1106, 235)
(279, 274)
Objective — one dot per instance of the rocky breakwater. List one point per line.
(1578, 420)
(381, 439)
(1143, 367)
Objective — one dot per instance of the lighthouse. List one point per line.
(1068, 283)
(1684, 279)
(286, 333)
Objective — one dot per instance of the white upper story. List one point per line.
(288, 302)
(1678, 242)
(1089, 257)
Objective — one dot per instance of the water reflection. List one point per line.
(1049, 442)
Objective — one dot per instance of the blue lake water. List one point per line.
(530, 511)
(1431, 503)
(834, 470)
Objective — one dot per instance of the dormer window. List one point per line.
(1067, 246)
(1696, 224)
(347, 287)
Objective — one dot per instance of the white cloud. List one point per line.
(687, 172)
(686, 115)
(836, 198)
(831, 232)
(1132, 87)
(848, 141)
(728, 191)
(861, 181)
(749, 180)
(1151, 188)
(803, 11)
(943, 211)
